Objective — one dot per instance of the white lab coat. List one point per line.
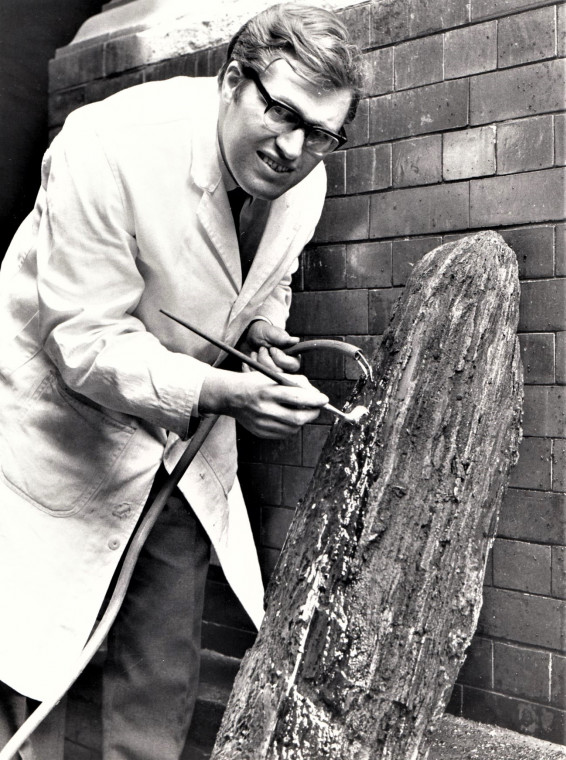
(132, 216)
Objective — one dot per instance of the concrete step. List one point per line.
(454, 738)
(217, 676)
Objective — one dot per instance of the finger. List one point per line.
(277, 336)
(284, 362)
(303, 396)
(264, 357)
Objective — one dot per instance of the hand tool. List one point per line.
(354, 416)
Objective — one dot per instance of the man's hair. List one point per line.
(314, 40)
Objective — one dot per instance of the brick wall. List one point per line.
(462, 129)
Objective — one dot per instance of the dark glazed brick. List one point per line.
(296, 480)
(533, 470)
(521, 672)
(330, 313)
(436, 15)
(521, 566)
(368, 168)
(470, 51)
(216, 57)
(418, 161)
(378, 71)
(358, 129)
(325, 364)
(314, 438)
(537, 353)
(261, 483)
(518, 715)
(559, 571)
(558, 681)
(512, 93)
(433, 108)
(184, 65)
(544, 411)
(527, 37)
(357, 21)
(468, 153)
(335, 165)
(543, 306)
(285, 451)
(561, 17)
(369, 345)
(560, 138)
(394, 20)
(325, 268)
(76, 67)
(525, 145)
(103, 88)
(343, 219)
(129, 51)
(561, 358)
(420, 210)
(419, 62)
(274, 526)
(533, 516)
(560, 250)
(381, 303)
(406, 253)
(268, 560)
(477, 670)
(559, 465)
(517, 198)
(486, 8)
(389, 21)
(61, 104)
(517, 616)
(534, 248)
(368, 265)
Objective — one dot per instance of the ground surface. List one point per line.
(459, 739)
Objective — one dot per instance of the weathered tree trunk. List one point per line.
(378, 588)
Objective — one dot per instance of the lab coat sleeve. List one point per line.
(89, 286)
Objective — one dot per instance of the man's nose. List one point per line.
(291, 143)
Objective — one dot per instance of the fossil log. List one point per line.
(378, 588)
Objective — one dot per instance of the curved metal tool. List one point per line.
(353, 416)
(351, 351)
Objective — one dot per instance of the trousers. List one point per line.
(151, 673)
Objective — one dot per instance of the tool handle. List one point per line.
(279, 377)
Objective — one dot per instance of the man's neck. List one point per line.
(227, 178)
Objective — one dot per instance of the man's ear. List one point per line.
(232, 80)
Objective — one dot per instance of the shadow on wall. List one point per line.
(30, 32)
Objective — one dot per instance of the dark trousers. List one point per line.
(151, 674)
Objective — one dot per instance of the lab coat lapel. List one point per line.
(213, 211)
(216, 218)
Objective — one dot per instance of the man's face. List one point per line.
(265, 164)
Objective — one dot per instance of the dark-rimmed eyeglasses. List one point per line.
(280, 119)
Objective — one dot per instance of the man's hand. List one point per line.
(264, 342)
(263, 407)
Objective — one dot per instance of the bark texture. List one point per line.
(379, 585)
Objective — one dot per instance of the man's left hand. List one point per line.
(265, 343)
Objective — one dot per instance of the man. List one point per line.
(137, 211)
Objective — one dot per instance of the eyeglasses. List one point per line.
(281, 119)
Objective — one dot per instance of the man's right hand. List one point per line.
(263, 407)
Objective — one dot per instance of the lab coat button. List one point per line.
(114, 543)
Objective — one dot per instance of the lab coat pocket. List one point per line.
(62, 449)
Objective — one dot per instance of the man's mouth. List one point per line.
(279, 168)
